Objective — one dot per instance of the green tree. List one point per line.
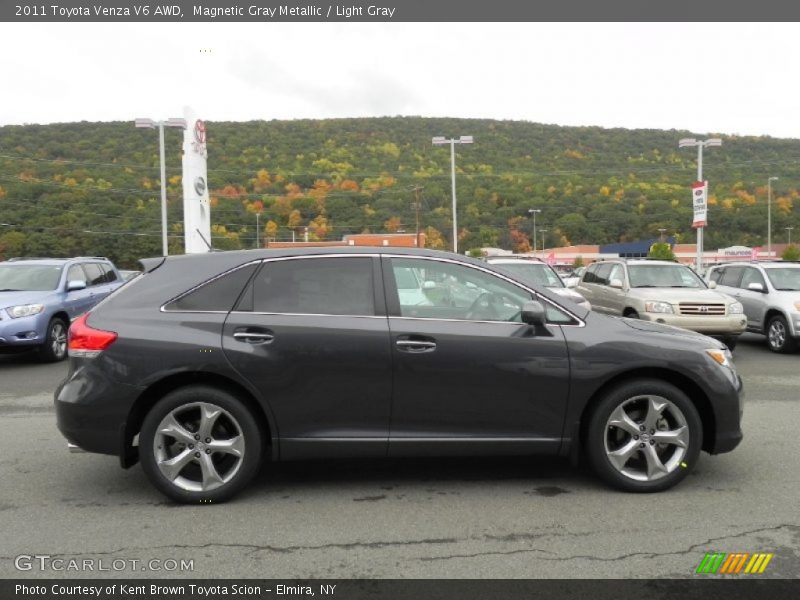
(662, 251)
(791, 253)
(578, 262)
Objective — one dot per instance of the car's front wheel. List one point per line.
(200, 444)
(644, 436)
(54, 348)
(778, 337)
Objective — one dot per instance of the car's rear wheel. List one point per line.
(200, 444)
(778, 337)
(644, 436)
(54, 348)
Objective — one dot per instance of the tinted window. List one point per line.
(108, 274)
(601, 275)
(716, 274)
(76, 273)
(320, 286)
(589, 276)
(94, 273)
(219, 294)
(731, 276)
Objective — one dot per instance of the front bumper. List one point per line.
(25, 332)
(729, 410)
(715, 325)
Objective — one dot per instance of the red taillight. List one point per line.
(84, 340)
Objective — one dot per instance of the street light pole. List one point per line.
(789, 231)
(440, 141)
(533, 212)
(542, 231)
(151, 124)
(769, 215)
(258, 214)
(687, 142)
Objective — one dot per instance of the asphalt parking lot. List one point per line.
(435, 518)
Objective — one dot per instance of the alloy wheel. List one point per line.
(199, 447)
(777, 334)
(646, 438)
(58, 340)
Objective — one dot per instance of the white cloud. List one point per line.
(725, 78)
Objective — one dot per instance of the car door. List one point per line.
(77, 302)
(471, 377)
(587, 286)
(310, 334)
(753, 301)
(615, 297)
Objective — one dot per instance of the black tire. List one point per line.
(627, 394)
(779, 338)
(234, 419)
(631, 314)
(54, 348)
(731, 341)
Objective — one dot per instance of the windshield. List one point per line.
(676, 276)
(533, 273)
(785, 278)
(29, 278)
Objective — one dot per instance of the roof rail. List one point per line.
(88, 258)
(16, 258)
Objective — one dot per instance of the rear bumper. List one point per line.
(91, 412)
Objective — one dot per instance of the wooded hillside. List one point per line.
(93, 188)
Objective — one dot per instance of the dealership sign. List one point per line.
(700, 203)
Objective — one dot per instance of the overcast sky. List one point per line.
(707, 78)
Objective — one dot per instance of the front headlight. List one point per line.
(24, 310)
(658, 307)
(721, 357)
(736, 308)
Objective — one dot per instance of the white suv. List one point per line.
(664, 292)
(770, 294)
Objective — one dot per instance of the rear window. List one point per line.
(217, 295)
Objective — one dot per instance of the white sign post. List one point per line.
(196, 208)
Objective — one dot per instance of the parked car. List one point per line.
(770, 294)
(535, 272)
(40, 296)
(574, 278)
(205, 365)
(665, 292)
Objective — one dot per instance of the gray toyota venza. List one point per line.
(207, 365)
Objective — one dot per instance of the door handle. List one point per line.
(253, 337)
(415, 346)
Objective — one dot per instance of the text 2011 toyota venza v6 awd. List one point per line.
(206, 366)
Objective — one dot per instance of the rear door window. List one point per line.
(731, 276)
(94, 273)
(602, 273)
(314, 286)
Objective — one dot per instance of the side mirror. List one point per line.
(712, 285)
(76, 284)
(615, 283)
(429, 285)
(756, 287)
(533, 313)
